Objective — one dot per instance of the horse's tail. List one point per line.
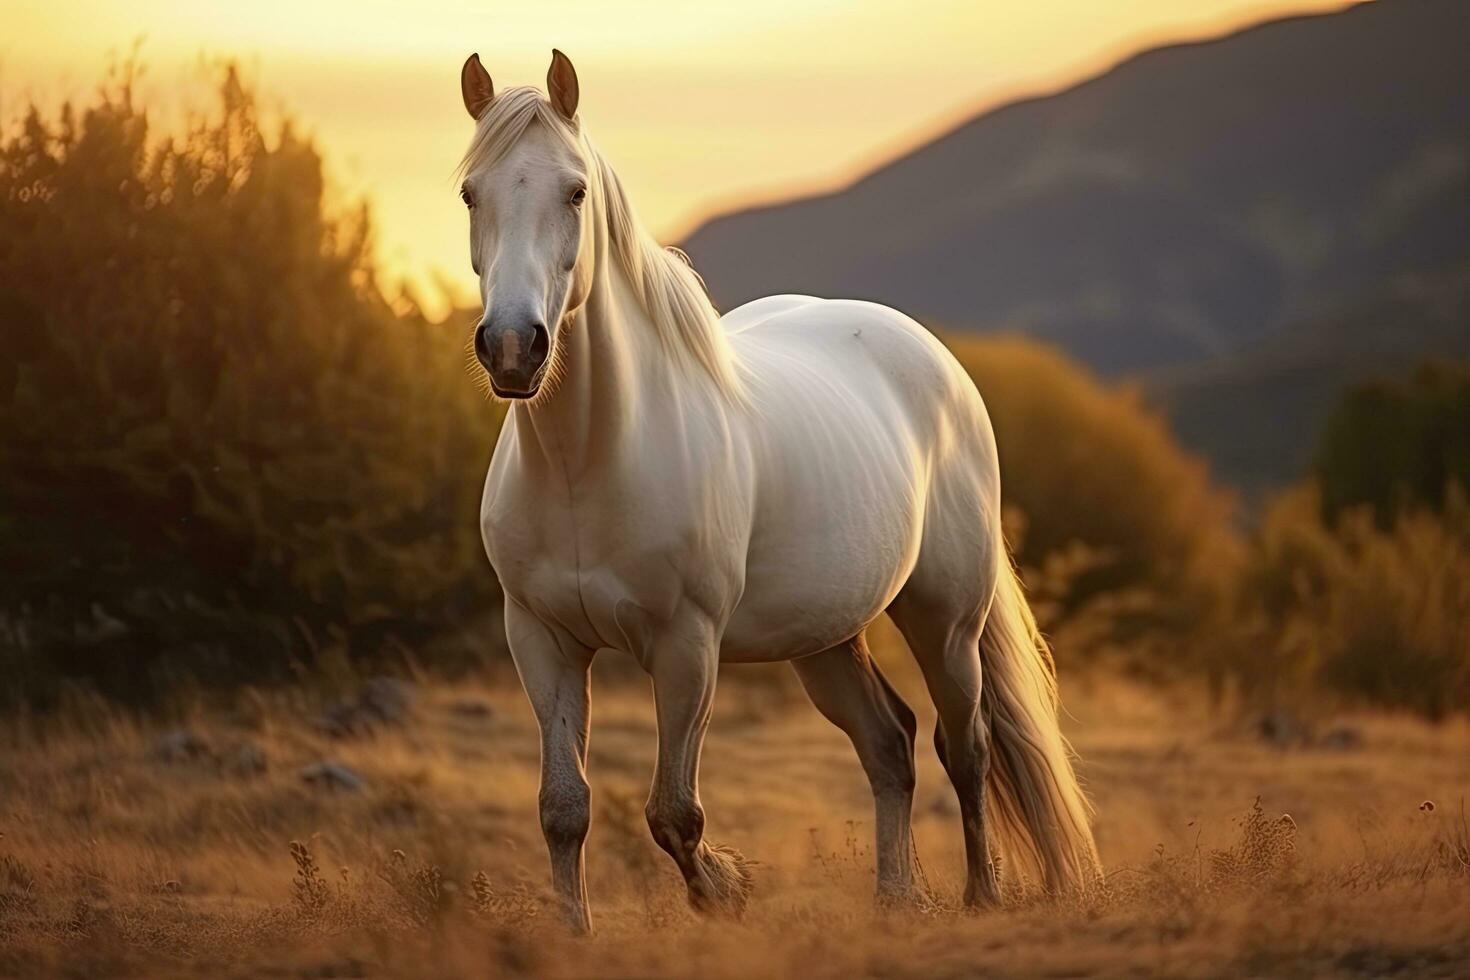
(1037, 807)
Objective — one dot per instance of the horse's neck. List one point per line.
(610, 378)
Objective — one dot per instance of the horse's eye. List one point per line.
(578, 196)
(464, 195)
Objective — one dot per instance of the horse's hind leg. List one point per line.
(847, 688)
(946, 644)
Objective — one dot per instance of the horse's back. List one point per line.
(852, 358)
(757, 311)
(863, 428)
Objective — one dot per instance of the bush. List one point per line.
(1378, 615)
(210, 413)
(1358, 581)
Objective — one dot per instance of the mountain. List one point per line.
(1200, 211)
(1257, 416)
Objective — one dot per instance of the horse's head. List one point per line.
(526, 182)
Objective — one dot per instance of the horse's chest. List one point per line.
(532, 545)
(584, 566)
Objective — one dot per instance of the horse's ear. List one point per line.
(475, 86)
(561, 84)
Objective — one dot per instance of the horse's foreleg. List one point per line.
(847, 688)
(718, 878)
(554, 672)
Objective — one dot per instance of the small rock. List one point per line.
(179, 746)
(333, 776)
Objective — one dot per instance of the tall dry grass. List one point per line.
(117, 861)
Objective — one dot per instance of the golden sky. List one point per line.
(699, 106)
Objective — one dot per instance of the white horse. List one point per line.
(691, 491)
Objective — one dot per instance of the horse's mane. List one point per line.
(670, 291)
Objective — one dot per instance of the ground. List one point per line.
(141, 848)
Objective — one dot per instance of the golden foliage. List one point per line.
(1379, 614)
(204, 384)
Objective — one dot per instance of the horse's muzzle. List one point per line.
(513, 356)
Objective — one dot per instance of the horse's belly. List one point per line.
(839, 520)
(769, 627)
(803, 608)
(814, 580)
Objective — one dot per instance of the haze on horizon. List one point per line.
(700, 107)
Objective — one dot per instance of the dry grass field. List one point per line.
(129, 849)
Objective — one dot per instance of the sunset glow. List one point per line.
(700, 106)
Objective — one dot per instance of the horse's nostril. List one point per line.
(482, 345)
(540, 344)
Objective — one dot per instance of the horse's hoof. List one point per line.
(724, 884)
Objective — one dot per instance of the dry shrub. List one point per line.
(1266, 848)
(209, 404)
(1378, 615)
(1180, 887)
(420, 890)
(516, 905)
(397, 894)
(17, 892)
(309, 890)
